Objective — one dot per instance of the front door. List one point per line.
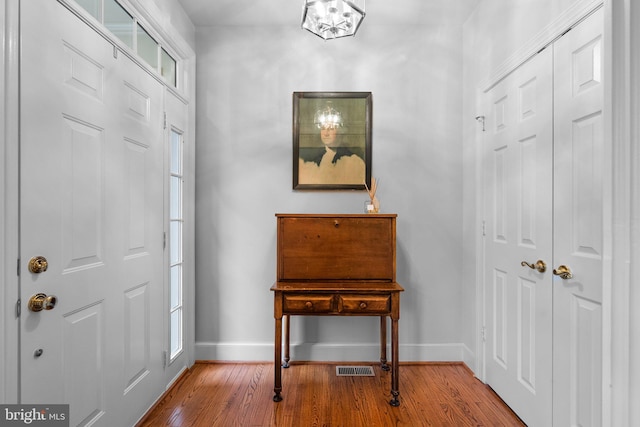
(518, 181)
(91, 204)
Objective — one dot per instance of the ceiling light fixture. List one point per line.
(332, 19)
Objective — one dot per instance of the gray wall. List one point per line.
(424, 79)
(170, 15)
(245, 80)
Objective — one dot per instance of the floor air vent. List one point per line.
(354, 371)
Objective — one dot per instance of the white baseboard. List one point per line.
(452, 352)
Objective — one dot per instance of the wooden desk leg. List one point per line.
(277, 388)
(383, 343)
(287, 329)
(394, 363)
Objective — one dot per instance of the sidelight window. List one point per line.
(176, 223)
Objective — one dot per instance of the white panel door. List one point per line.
(91, 195)
(518, 185)
(579, 168)
(138, 169)
(567, 383)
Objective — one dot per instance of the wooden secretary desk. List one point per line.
(336, 265)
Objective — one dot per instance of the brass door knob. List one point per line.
(539, 265)
(38, 264)
(39, 302)
(564, 272)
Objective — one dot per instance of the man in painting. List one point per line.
(330, 163)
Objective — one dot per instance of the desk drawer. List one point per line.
(364, 304)
(308, 303)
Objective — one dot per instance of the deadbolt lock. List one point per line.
(38, 264)
(39, 302)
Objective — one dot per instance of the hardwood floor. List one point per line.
(240, 394)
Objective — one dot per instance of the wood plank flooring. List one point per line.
(240, 394)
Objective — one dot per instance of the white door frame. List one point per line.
(621, 383)
(9, 214)
(630, 296)
(9, 183)
(622, 298)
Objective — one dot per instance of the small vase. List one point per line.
(371, 206)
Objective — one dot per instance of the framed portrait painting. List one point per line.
(331, 140)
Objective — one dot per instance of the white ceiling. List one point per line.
(289, 12)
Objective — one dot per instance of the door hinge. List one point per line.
(165, 358)
(18, 307)
(18, 267)
(164, 240)
(165, 120)
(484, 228)
(483, 333)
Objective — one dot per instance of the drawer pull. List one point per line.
(308, 304)
(363, 305)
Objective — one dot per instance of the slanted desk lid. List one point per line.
(336, 247)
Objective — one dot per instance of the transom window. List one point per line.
(133, 34)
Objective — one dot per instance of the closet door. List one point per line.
(580, 165)
(543, 352)
(518, 148)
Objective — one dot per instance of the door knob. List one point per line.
(539, 265)
(39, 302)
(564, 272)
(38, 264)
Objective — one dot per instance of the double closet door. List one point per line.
(544, 174)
